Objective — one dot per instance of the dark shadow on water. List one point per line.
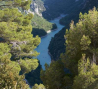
(54, 26)
(39, 32)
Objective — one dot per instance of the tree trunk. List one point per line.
(15, 85)
(94, 58)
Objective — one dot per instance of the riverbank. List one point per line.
(47, 33)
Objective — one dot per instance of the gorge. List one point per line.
(54, 41)
(48, 44)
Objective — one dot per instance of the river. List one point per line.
(44, 57)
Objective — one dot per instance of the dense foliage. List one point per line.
(15, 3)
(81, 57)
(73, 15)
(77, 67)
(87, 75)
(34, 76)
(41, 26)
(17, 44)
(82, 39)
(40, 86)
(54, 76)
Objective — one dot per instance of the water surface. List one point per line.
(44, 57)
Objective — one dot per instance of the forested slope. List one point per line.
(53, 47)
(56, 7)
(40, 24)
(80, 58)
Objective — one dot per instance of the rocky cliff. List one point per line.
(37, 7)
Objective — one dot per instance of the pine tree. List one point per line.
(82, 39)
(54, 76)
(24, 4)
(9, 70)
(87, 75)
(40, 86)
(17, 44)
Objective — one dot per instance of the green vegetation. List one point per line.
(81, 57)
(87, 75)
(82, 39)
(58, 45)
(40, 86)
(34, 76)
(77, 68)
(14, 3)
(41, 26)
(54, 76)
(17, 45)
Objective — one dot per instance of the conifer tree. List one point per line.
(54, 76)
(40, 86)
(9, 71)
(17, 44)
(87, 75)
(82, 39)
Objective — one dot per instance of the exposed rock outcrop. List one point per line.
(37, 7)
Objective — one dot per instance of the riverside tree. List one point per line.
(17, 44)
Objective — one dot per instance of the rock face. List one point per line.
(37, 7)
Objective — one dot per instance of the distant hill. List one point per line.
(56, 7)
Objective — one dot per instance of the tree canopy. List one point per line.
(25, 4)
(54, 76)
(82, 39)
(87, 77)
(81, 57)
(17, 44)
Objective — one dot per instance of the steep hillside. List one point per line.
(37, 7)
(84, 7)
(56, 7)
(40, 25)
(57, 47)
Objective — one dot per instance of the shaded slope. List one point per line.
(53, 47)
